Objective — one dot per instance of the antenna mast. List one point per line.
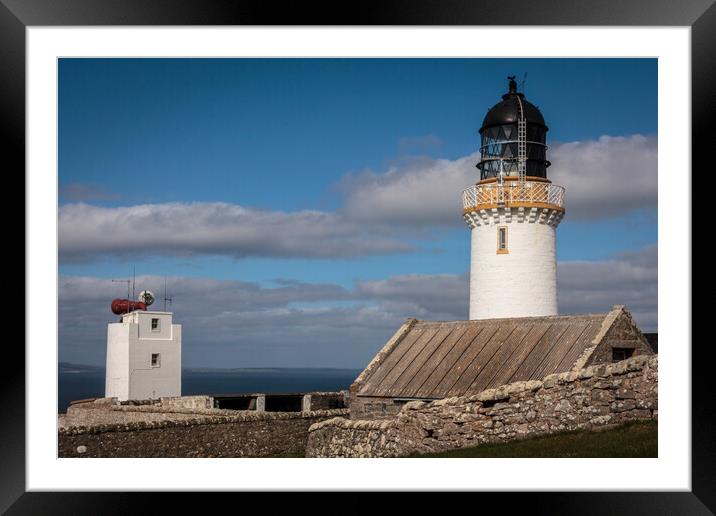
(123, 281)
(165, 295)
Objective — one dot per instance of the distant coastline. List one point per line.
(68, 367)
(80, 381)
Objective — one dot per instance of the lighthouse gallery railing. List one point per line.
(513, 193)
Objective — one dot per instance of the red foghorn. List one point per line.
(124, 306)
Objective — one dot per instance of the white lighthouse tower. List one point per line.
(513, 213)
(143, 352)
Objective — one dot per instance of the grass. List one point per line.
(636, 439)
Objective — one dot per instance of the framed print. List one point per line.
(166, 138)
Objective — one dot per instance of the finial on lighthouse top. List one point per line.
(513, 83)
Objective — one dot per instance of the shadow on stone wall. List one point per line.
(597, 396)
(239, 435)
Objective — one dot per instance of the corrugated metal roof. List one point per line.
(442, 359)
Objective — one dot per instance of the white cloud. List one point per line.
(608, 177)
(235, 323)
(630, 278)
(425, 296)
(420, 192)
(213, 229)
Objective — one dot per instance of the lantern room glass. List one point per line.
(499, 151)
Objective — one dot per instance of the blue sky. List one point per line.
(302, 140)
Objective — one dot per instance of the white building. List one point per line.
(513, 212)
(143, 356)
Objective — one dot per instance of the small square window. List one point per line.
(619, 354)
(155, 324)
(156, 360)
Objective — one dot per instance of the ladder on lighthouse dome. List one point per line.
(521, 144)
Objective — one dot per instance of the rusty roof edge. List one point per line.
(378, 359)
(607, 323)
(535, 318)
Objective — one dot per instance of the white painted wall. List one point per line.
(117, 370)
(523, 282)
(130, 345)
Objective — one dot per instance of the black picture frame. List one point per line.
(700, 15)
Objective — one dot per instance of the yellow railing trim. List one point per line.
(514, 204)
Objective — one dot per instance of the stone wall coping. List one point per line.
(637, 363)
(244, 416)
(180, 410)
(326, 393)
(158, 409)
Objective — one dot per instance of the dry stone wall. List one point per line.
(364, 407)
(243, 434)
(597, 396)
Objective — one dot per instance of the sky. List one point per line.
(300, 210)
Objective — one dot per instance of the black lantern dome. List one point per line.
(499, 134)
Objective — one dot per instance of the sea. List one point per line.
(76, 383)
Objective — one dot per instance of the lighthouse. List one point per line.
(513, 212)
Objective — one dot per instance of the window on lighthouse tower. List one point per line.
(502, 240)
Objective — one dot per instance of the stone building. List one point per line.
(428, 361)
